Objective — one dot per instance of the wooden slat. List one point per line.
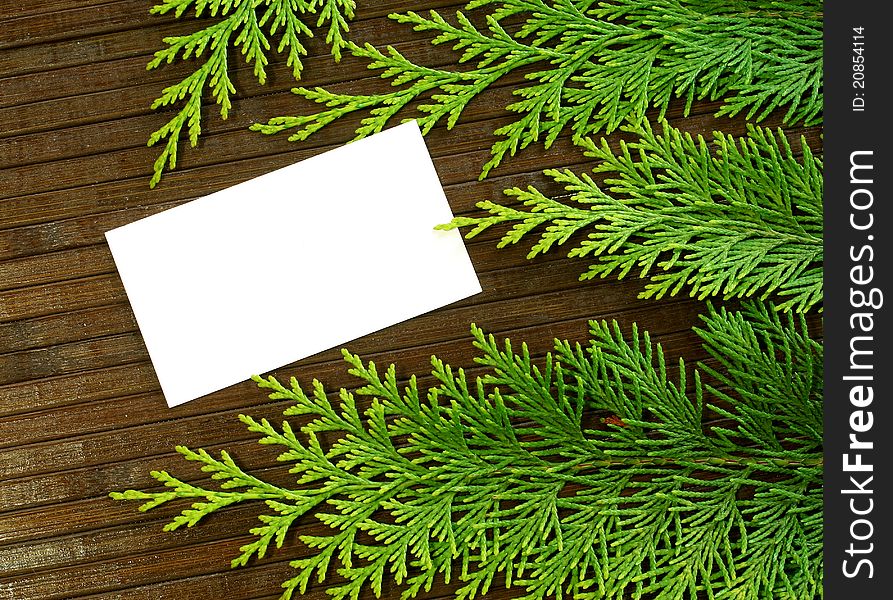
(82, 20)
(62, 297)
(84, 386)
(36, 7)
(104, 47)
(57, 266)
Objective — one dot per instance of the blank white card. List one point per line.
(291, 263)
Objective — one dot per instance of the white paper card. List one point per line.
(291, 263)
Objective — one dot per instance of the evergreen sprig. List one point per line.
(597, 65)
(246, 25)
(740, 218)
(683, 489)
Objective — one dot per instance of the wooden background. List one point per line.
(80, 409)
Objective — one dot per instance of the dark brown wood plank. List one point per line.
(104, 47)
(62, 297)
(84, 386)
(69, 233)
(44, 6)
(54, 330)
(57, 266)
(81, 20)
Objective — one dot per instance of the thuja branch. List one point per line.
(243, 25)
(740, 218)
(597, 65)
(501, 475)
(715, 461)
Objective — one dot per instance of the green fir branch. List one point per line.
(244, 25)
(510, 477)
(597, 66)
(741, 218)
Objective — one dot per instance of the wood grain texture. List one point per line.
(81, 413)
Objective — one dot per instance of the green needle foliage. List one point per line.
(246, 25)
(590, 66)
(740, 218)
(602, 473)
